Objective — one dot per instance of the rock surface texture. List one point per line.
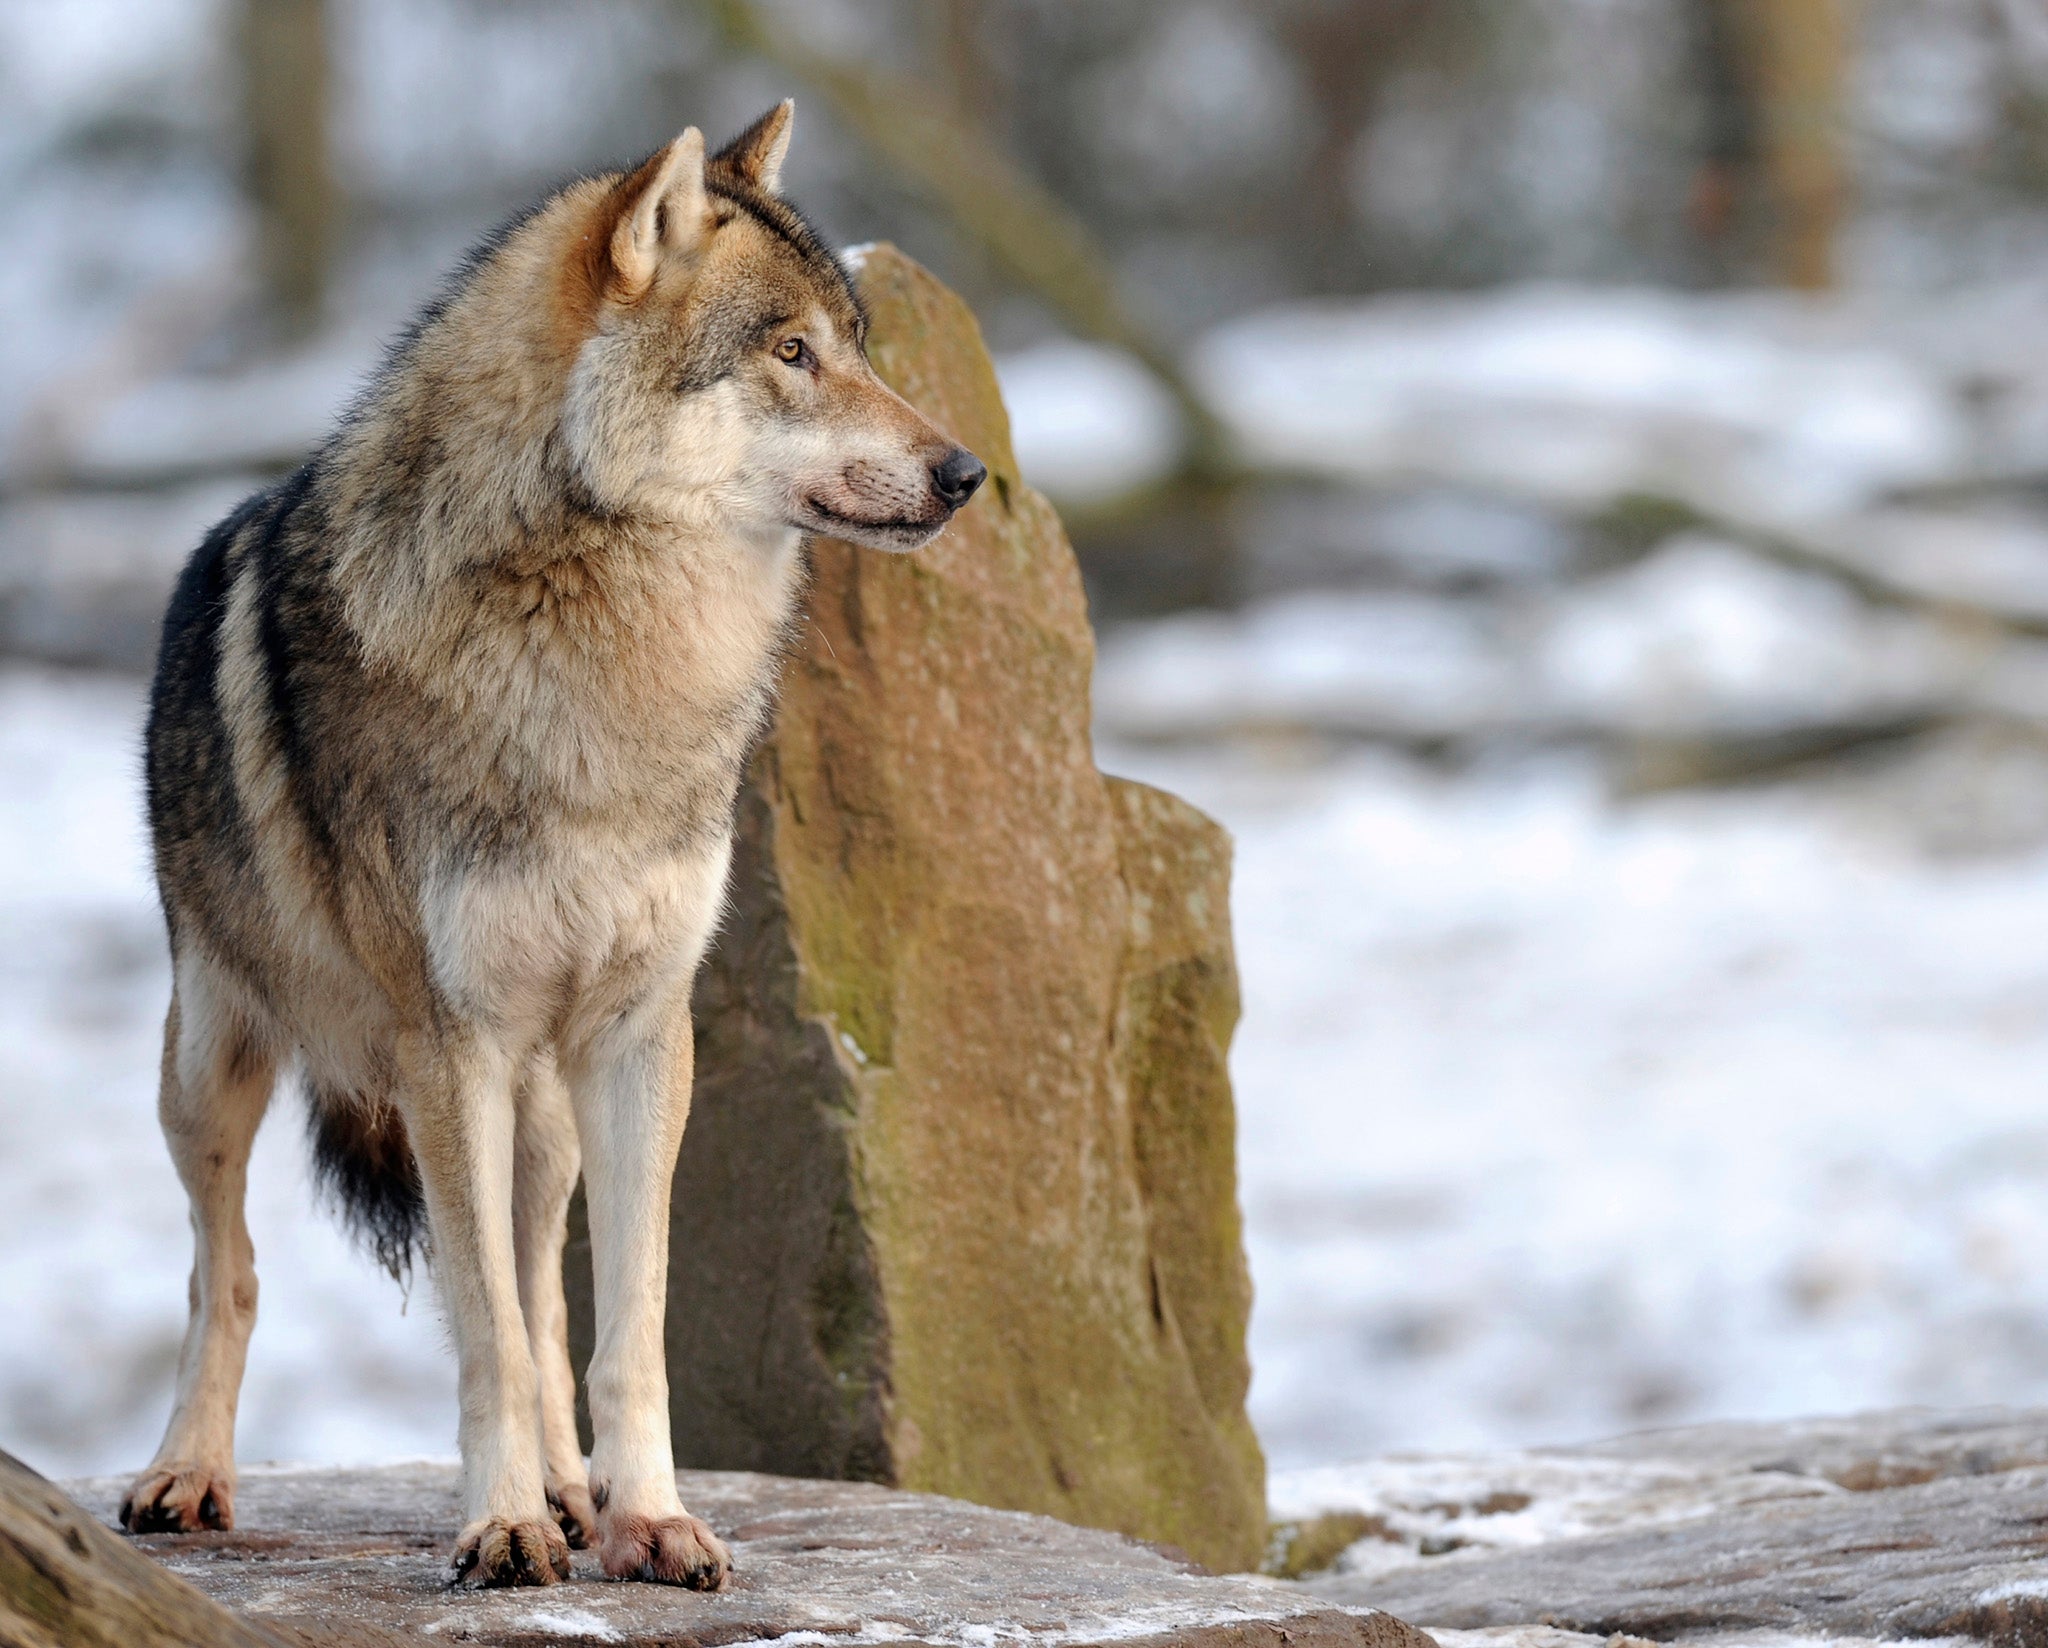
(956, 1210)
(360, 1557)
(1888, 1526)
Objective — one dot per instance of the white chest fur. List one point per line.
(591, 930)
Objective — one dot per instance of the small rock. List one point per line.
(67, 1582)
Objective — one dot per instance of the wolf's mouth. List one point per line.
(833, 517)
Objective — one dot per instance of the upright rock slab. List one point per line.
(956, 1209)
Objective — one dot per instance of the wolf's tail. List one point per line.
(363, 1164)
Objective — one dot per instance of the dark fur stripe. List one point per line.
(277, 645)
(189, 775)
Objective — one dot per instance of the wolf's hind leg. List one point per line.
(545, 1161)
(217, 1081)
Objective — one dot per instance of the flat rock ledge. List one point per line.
(1885, 1527)
(347, 1557)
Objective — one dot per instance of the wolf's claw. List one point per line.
(179, 1498)
(575, 1511)
(502, 1552)
(673, 1550)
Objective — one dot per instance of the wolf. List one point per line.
(443, 748)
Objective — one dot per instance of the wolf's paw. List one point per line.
(670, 1550)
(574, 1510)
(180, 1498)
(501, 1552)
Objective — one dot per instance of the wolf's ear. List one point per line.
(666, 210)
(755, 156)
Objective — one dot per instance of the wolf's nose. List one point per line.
(957, 475)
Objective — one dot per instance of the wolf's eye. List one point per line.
(791, 351)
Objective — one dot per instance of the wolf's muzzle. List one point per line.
(957, 476)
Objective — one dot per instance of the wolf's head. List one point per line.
(723, 371)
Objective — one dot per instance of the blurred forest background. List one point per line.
(1565, 480)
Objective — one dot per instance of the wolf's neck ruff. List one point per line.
(443, 744)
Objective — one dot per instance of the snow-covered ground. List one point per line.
(1769, 406)
(1559, 1114)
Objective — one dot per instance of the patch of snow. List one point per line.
(790, 1638)
(1581, 395)
(564, 1621)
(1441, 535)
(1520, 1636)
(61, 64)
(1133, 1621)
(240, 420)
(539, 88)
(1561, 1116)
(1800, 1639)
(1358, 662)
(1510, 1498)
(1703, 634)
(1087, 422)
(1700, 638)
(1550, 1636)
(56, 541)
(1994, 556)
(2011, 1589)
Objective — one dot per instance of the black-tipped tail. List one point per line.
(363, 1164)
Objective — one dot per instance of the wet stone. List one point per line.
(360, 1556)
(1886, 1526)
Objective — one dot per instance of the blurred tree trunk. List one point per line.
(1772, 74)
(957, 167)
(1801, 49)
(282, 48)
(969, 80)
(961, 71)
(1728, 137)
(1346, 50)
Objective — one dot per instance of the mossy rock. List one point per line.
(956, 1208)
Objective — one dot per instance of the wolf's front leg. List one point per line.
(458, 1100)
(631, 1091)
(545, 1163)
